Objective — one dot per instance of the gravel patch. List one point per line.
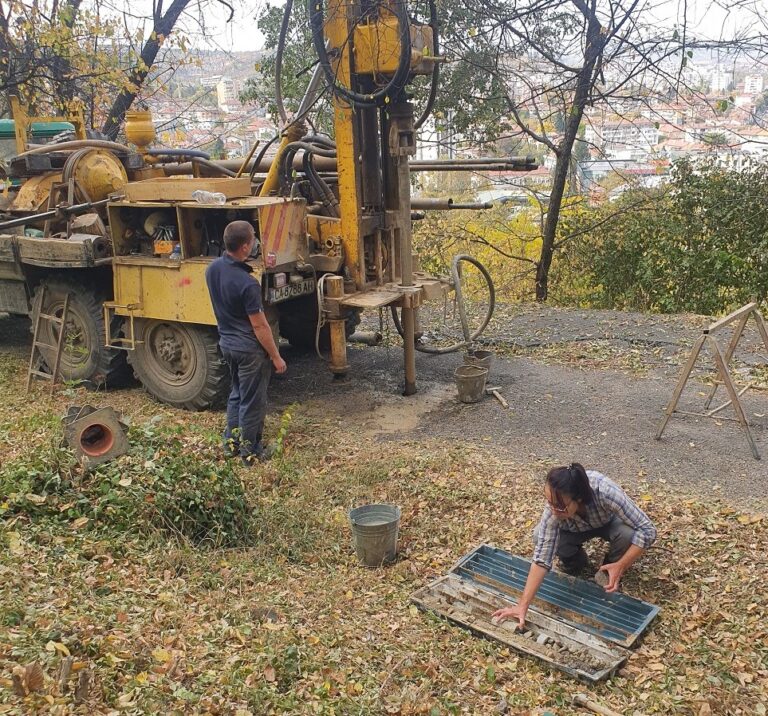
(559, 412)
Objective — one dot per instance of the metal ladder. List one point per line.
(37, 344)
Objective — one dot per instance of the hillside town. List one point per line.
(629, 141)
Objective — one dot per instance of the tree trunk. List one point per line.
(6, 64)
(564, 154)
(559, 181)
(61, 67)
(163, 26)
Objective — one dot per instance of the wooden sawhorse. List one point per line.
(740, 317)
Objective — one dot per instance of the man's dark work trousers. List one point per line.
(247, 405)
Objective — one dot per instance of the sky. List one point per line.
(707, 20)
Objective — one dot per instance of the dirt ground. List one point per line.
(167, 626)
(583, 385)
(576, 406)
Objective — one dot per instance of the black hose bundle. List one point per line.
(286, 159)
(320, 188)
(396, 83)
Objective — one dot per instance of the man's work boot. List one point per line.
(576, 565)
(263, 455)
(231, 448)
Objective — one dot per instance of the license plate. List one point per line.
(291, 290)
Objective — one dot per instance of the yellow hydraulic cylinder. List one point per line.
(272, 183)
(348, 168)
(338, 25)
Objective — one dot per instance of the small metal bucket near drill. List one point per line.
(470, 382)
(479, 358)
(374, 533)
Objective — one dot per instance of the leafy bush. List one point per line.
(505, 239)
(164, 484)
(699, 244)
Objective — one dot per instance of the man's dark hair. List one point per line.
(572, 482)
(237, 234)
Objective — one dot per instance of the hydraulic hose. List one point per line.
(77, 144)
(260, 156)
(322, 139)
(435, 68)
(320, 187)
(286, 161)
(196, 153)
(279, 62)
(294, 147)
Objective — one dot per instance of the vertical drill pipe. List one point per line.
(398, 121)
(310, 94)
(337, 326)
(409, 349)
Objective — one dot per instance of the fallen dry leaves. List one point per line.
(296, 625)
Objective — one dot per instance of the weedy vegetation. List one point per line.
(172, 581)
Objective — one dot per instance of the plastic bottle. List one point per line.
(209, 197)
(176, 252)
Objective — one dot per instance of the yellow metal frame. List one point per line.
(337, 29)
(377, 47)
(128, 343)
(376, 51)
(23, 122)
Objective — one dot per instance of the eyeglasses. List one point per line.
(556, 508)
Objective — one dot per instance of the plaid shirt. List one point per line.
(609, 501)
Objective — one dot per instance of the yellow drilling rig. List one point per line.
(125, 231)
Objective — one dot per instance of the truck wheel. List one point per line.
(180, 364)
(298, 323)
(84, 356)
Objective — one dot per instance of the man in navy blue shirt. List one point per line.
(246, 342)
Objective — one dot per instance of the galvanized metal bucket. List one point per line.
(374, 533)
(479, 358)
(470, 382)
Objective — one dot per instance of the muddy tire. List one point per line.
(298, 324)
(84, 356)
(180, 364)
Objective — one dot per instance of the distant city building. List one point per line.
(226, 93)
(210, 81)
(623, 140)
(753, 84)
(664, 113)
(647, 174)
(720, 81)
(514, 188)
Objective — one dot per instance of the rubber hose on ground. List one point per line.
(462, 313)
